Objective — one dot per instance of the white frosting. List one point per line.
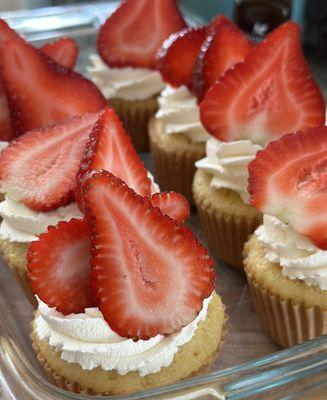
(21, 224)
(3, 145)
(124, 83)
(179, 112)
(298, 257)
(228, 164)
(88, 340)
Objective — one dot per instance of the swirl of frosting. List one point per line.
(88, 340)
(124, 83)
(179, 113)
(227, 162)
(298, 257)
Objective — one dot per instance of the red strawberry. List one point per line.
(173, 204)
(110, 148)
(132, 35)
(289, 180)
(64, 51)
(269, 94)
(59, 267)
(223, 49)
(39, 168)
(177, 56)
(41, 91)
(150, 273)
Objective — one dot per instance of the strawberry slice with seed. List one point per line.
(269, 94)
(59, 267)
(42, 92)
(132, 35)
(289, 180)
(64, 51)
(176, 58)
(110, 148)
(40, 167)
(150, 273)
(173, 204)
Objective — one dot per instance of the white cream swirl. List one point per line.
(179, 112)
(3, 145)
(88, 340)
(124, 83)
(228, 164)
(21, 224)
(298, 257)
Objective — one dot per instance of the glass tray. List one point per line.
(250, 365)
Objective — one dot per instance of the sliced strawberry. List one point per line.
(132, 35)
(173, 204)
(269, 94)
(228, 46)
(110, 148)
(39, 168)
(64, 51)
(59, 267)
(41, 91)
(289, 180)
(150, 273)
(176, 58)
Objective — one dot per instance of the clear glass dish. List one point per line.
(250, 365)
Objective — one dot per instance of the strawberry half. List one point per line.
(289, 180)
(64, 51)
(59, 267)
(269, 94)
(173, 204)
(110, 148)
(176, 58)
(39, 168)
(150, 273)
(43, 92)
(132, 35)
(223, 49)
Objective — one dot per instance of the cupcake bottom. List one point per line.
(135, 116)
(15, 255)
(290, 311)
(226, 220)
(174, 157)
(191, 359)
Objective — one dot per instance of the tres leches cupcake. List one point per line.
(267, 95)
(177, 136)
(126, 297)
(286, 258)
(125, 71)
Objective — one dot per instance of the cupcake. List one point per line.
(177, 136)
(258, 100)
(125, 71)
(135, 313)
(286, 258)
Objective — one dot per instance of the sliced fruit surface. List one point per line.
(110, 148)
(42, 92)
(59, 267)
(150, 273)
(132, 35)
(40, 167)
(269, 94)
(64, 51)
(177, 56)
(289, 180)
(173, 204)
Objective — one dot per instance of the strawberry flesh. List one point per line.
(64, 51)
(150, 273)
(59, 267)
(173, 204)
(269, 94)
(110, 148)
(40, 167)
(289, 180)
(176, 58)
(132, 35)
